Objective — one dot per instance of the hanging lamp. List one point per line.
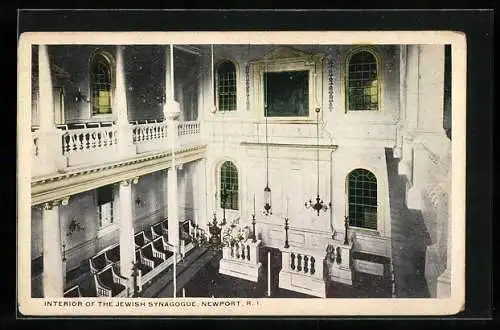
(212, 72)
(267, 190)
(318, 205)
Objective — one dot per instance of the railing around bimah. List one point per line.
(85, 138)
(149, 135)
(188, 132)
(302, 262)
(244, 251)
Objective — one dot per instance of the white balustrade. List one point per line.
(241, 260)
(304, 263)
(150, 136)
(101, 141)
(302, 271)
(188, 132)
(89, 139)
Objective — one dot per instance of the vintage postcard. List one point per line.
(241, 173)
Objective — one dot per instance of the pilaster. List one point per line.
(53, 271)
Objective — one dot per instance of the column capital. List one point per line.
(171, 110)
(57, 202)
(130, 181)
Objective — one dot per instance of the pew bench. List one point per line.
(98, 262)
(73, 292)
(109, 284)
(112, 254)
(140, 239)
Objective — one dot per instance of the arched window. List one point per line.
(229, 186)
(362, 195)
(225, 86)
(100, 83)
(362, 82)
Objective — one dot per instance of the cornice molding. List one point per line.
(59, 186)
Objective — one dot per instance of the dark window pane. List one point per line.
(286, 94)
(362, 199)
(362, 76)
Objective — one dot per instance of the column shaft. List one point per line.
(53, 279)
(173, 212)
(127, 244)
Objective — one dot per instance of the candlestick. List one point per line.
(268, 273)
(254, 239)
(286, 234)
(346, 225)
(286, 207)
(254, 204)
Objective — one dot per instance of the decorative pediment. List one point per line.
(286, 52)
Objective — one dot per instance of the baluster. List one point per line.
(150, 133)
(248, 252)
(306, 261)
(312, 270)
(65, 140)
(299, 262)
(115, 136)
(232, 250)
(237, 250)
(81, 141)
(292, 261)
(243, 251)
(339, 255)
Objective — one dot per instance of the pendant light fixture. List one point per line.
(319, 205)
(212, 73)
(267, 190)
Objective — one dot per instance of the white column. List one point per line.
(127, 244)
(202, 193)
(431, 88)
(443, 289)
(171, 113)
(53, 279)
(173, 212)
(125, 139)
(49, 145)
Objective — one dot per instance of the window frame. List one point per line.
(111, 63)
(237, 191)
(112, 223)
(216, 84)
(356, 225)
(300, 61)
(345, 81)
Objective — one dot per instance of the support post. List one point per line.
(53, 279)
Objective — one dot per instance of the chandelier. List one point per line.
(317, 204)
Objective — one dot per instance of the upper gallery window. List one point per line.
(101, 84)
(287, 85)
(362, 199)
(362, 82)
(229, 186)
(447, 91)
(225, 86)
(286, 94)
(105, 206)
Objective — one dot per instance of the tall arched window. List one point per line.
(225, 86)
(362, 196)
(229, 186)
(362, 82)
(100, 83)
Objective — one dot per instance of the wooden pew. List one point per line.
(140, 239)
(110, 284)
(185, 232)
(98, 262)
(73, 292)
(112, 254)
